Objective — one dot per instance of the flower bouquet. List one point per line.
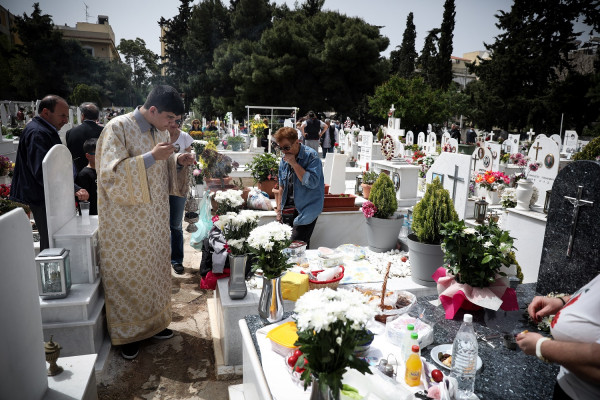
(474, 275)
(330, 326)
(267, 242)
(236, 228)
(198, 176)
(509, 198)
(425, 163)
(524, 165)
(6, 166)
(228, 201)
(493, 182)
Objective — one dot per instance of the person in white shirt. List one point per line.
(576, 344)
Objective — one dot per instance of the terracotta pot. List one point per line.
(336, 200)
(215, 184)
(326, 189)
(267, 187)
(366, 190)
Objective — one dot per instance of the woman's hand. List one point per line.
(542, 306)
(527, 341)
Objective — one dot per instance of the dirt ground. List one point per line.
(182, 367)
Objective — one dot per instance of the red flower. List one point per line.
(215, 218)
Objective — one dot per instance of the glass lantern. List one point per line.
(547, 201)
(54, 273)
(357, 185)
(480, 210)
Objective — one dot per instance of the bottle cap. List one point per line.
(414, 335)
(410, 327)
(468, 318)
(415, 348)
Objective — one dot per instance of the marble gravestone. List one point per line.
(4, 116)
(421, 139)
(511, 144)
(495, 149)
(410, 138)
(453, 145)
(59, 190)
(79, 116)
(338, 169)
(454, 172)
(544, 151)
(23, 365)
(483, 158)
(557, 140)
(570, 143)
(571, 247)
(445, 137)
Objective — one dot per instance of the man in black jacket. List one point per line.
(77, 136)
(312, 129)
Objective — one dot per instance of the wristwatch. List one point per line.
(538, 348)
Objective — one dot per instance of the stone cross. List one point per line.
(491, 136)
(537, 149)
(456, 179)
(530, 133)
(577, 202)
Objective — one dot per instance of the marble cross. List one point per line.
(491, 136)
(537, 149)
(577, 202)
(530, 133)
(456, 179)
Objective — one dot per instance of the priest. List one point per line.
(137, 171)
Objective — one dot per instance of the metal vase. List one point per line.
(237, 277)
(270, 305)
(322, 391)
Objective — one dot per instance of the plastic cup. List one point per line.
(85, 212)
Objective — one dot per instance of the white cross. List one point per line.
(530, 133)
(392, 110)
(491, 137)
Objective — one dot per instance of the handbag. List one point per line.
(191, 204)
(204, 223)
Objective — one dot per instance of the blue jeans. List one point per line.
(176, 205)
(326, 150)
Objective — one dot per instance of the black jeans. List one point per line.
(41, 222)
(299, 232)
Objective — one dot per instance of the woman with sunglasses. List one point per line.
(302, 184)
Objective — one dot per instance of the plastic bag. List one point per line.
(258, 200)
(204, 223)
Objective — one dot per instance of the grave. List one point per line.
(483, 158)
(557, 140)
(368, 150)
(572, 242)
(77, 321)
(545, 151)
(511, 144)
(405, 178)
(410, 138)
(454, 172)
(335, 175)
(421, 139)
(570, 143)
(4, 118)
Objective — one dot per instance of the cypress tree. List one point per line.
(444, 66)
(403, 60)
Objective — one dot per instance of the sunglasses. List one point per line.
(178, 122)
(284, 148)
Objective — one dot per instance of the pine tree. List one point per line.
(403, 60)
(249, 18)
(444, 64)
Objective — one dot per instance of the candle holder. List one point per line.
(480, 210)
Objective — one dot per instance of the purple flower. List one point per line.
(534, 166)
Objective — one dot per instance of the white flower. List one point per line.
(338, 340)
(470, 231)
(265, 236)
(487, 244)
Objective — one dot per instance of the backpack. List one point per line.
(312, 129)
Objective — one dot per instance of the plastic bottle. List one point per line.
(406, 341)
(414, 341)
(464, 358)
(414, 366)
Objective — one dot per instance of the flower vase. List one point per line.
(237, 278)
(270, 305)
(524, 193)
(492, 197)
(322, 391)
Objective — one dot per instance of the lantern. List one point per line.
(547, 201)
(54, 273)
(357, 186)
(480, 210)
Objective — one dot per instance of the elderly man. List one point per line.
(38, 137)
(137, 171)
(77, 136)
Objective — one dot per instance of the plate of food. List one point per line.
(442, 356)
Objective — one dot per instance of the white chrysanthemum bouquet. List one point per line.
(267, 242)
(330, 326)
(228, 201)
(509, 198)
(236, 228)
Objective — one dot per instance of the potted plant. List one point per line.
(330, 326)
(264, 169)
(235, 142)
(476, 258)
(424, 244)
(492, 182)
(267, 243)
(217, 167)
(352, 162)
(368, 179)
(383, 223)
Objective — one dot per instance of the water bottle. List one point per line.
(464, 358)
(404, 228)
(406, 341)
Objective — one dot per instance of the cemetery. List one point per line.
(429, 231)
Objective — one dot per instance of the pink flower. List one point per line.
(534, 166)
(215, 218)
(368, 209)
(224, 143)
(196, 172)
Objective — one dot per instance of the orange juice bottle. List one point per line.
(412, 377)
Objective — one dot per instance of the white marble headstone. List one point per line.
(546, 152)
(570, 143)
(445, 137)
(36, 108)
(337, 174)
(410, 138)
(557, 139)
(483, 159)
(79, 116)
(432, 140)
(58, 188)
(455, 173)
(421, 139)
(453, 145)
(23, 365)
(511, 144)
(495, 149)
(4, 115)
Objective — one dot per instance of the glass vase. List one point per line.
(322, 391)
(270, 305)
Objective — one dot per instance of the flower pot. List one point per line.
(382, 234)
(524, 193)
(267, 187)
(352, 164)
(215, 184)
(492, 197)
(237, 282)
(336, 200)
(425, 259)
(236, 146)
(270, 304)
(366, 190)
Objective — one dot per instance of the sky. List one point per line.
(129, 19)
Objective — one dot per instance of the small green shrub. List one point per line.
(590, 151)
(435, 209)
(369, 177)
(263, 167)
(383, 196)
